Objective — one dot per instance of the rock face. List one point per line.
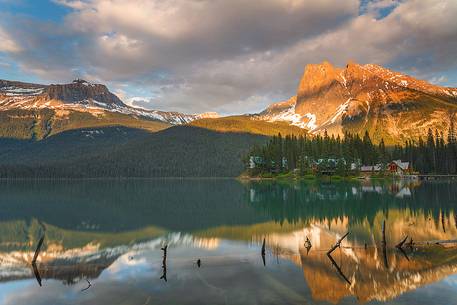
(359, 98)
(81, 90)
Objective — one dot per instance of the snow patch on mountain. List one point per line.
(285, 112)
(17, 95)
(312, 121)
(16, 91)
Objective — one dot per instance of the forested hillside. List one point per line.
(181, 151)
(40, 123)
(248, 124)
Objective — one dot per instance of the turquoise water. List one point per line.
(103, 242)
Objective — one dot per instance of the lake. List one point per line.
(227, 242)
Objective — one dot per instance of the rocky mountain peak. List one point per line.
(358, 98)
(82, 91)
(316, 75)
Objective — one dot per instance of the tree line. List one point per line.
(436, 154)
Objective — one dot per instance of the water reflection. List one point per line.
(144, 241)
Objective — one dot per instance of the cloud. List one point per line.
(438, 79)
(7, 43)
(230, 56)
(78, 5)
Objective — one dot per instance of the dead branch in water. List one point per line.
(164, 264)
(400, 244)
(36, 273)
(384, 245)
(308, 245)
(38, 249)
(338, 244)
(263, 252)
(89, 285)
(338, 269)
(436, 242)
(442, 221)
(404, 253)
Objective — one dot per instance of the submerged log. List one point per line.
(436, 242)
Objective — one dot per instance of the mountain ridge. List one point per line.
(359, 98)
(355, 98)
(83, 96)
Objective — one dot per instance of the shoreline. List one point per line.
(290, 177)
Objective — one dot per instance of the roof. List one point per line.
(370, 168)
(402, 165)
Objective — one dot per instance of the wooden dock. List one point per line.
(436, 176)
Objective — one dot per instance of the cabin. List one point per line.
(399, 167)
(327, 166)
(255, 161)
(371, 168)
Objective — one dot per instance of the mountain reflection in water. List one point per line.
(110, 234)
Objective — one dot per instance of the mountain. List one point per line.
(359, 98)
(83, 130)
(37, 111)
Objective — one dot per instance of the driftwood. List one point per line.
(338, 244)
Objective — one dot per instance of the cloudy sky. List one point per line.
(229, 56)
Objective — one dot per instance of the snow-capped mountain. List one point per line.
(81, 96)
(356, 98)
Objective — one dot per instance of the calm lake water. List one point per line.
(103, 239)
